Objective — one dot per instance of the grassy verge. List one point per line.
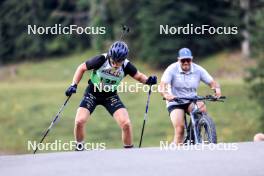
(31, 99)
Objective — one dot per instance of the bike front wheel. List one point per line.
(206, 130)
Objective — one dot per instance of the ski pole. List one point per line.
(125, 30)
(145, 118)
(52, 123)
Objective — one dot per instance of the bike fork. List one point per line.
(194, 129)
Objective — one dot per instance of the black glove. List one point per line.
(151, 80)
(72, 89)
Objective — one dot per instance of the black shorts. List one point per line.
(110, 101)
(180, 106)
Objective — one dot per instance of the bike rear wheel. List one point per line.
(206, 130)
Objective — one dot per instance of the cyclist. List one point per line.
(181, 79)
(108, 70)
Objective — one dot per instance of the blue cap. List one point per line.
(185, 53)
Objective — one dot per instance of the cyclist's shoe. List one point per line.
(79, 146)
(128, 146)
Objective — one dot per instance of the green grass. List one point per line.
(31, 99)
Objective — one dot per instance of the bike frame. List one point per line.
(193, 121)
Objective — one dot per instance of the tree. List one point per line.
(256, 75)
(161, 50)
(16, 44)
(101, 17)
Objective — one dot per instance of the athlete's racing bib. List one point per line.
(107, 78)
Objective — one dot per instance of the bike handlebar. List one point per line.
(197, 98)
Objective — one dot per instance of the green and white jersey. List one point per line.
(104, 76)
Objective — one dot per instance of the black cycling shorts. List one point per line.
(111, 103)
(180, 106)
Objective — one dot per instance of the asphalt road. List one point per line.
(244, 159)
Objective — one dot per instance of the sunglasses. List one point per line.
(186, 60)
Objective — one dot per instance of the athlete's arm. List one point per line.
(137, 75)
(140, 77)
(76, 79)
(131, 70)
(208, 79)
(93, 63)
(216, 87)
(164, 90)
(165, 83)
(79, 73)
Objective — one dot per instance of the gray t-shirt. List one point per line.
(185, 84)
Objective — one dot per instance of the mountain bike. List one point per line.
(201, 127)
